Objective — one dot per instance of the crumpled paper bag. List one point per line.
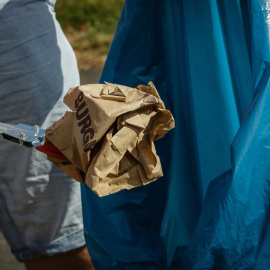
(108, 137)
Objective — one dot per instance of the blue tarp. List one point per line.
(210, 61)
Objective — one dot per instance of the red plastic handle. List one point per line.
(50, 150)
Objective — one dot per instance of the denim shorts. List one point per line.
(40, 207)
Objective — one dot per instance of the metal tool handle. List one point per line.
(24, 135)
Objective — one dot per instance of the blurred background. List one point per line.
(89, 26)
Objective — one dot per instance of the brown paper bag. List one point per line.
(109, 135)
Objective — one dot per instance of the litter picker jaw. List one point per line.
(23, 135)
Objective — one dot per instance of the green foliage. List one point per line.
(94, 20)
(101, 14)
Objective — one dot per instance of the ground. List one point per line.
(87, 58)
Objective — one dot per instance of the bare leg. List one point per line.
(77, 259)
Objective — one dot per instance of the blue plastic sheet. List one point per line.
(209, 60)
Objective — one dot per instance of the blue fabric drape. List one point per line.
(209, 62)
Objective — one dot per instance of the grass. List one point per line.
(89, 26)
